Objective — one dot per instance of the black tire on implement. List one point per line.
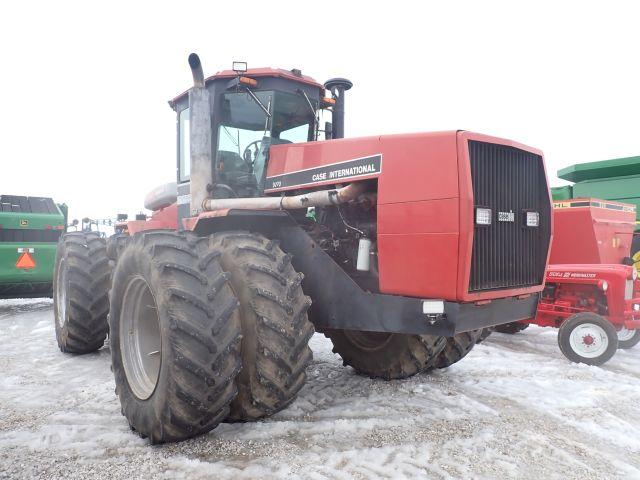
(598, 324)
(457, 347)
(173, 286)
(627, 342)
(81, 282)
(511, 328)
(275, 326)
(386, 355)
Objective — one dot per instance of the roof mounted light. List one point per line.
(248, 81)
(239, 67)
(328, 101)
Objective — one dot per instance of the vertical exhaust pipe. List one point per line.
(337, 87)
(201, 176)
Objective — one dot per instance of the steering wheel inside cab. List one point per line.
(251, 152)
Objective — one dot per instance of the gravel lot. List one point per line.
(514, 408)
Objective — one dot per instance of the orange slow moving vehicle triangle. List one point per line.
(26, 261)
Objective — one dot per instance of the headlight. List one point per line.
(483, 216)
(636, 307)
(604, 285)
(532, 219)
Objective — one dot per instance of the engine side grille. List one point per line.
(507, 254)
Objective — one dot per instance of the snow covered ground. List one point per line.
(514, 408)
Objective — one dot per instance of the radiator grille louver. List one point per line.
(508, 254)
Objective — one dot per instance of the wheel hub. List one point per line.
(140, 340)
(589, 340)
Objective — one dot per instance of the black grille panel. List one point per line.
(508, 254)
(23, 235)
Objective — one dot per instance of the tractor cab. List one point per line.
(250, 110)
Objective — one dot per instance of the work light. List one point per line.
(483, 216)
(533, 219)
(432, 307)
(239, 67)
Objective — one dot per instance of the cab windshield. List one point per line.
(245, 133)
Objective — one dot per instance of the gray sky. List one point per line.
(85, 84)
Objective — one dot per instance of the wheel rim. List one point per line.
(369, 341)
(61, 293)
(625, 334)
(589, 340)
(140, 340)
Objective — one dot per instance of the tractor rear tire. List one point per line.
(511, 328)
(628, 338)
(389, 356)
(587, 338)
(175, 336)
(81, 281)
(275, 326)
(457, 347)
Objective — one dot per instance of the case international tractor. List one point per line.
(591, 292)
(398, 248)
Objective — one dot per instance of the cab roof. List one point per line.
(293, 75)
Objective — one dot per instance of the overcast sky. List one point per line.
(85, 85)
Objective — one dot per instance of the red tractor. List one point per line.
(589, 292)
(399, 248)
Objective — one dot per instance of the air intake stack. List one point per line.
(337, 87)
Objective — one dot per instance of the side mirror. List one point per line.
(122, 217)
(74, 222)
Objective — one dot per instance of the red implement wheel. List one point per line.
(628, 338)
(588, 338)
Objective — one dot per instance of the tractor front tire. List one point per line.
(389, 356)
(511, 328)
(81, 281)
(457, 347)
(587, 338)
(486, 332)
(175, 336)
(275, 326)
(628, 338)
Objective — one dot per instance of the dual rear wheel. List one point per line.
(202, 329)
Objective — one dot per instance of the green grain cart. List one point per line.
(617, 179)
(29, 232)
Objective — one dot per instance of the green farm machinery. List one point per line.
(29, 231)
(617, 179)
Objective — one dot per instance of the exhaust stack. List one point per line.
(201, 176)
(337, 87)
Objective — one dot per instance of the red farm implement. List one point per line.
(590, 291)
